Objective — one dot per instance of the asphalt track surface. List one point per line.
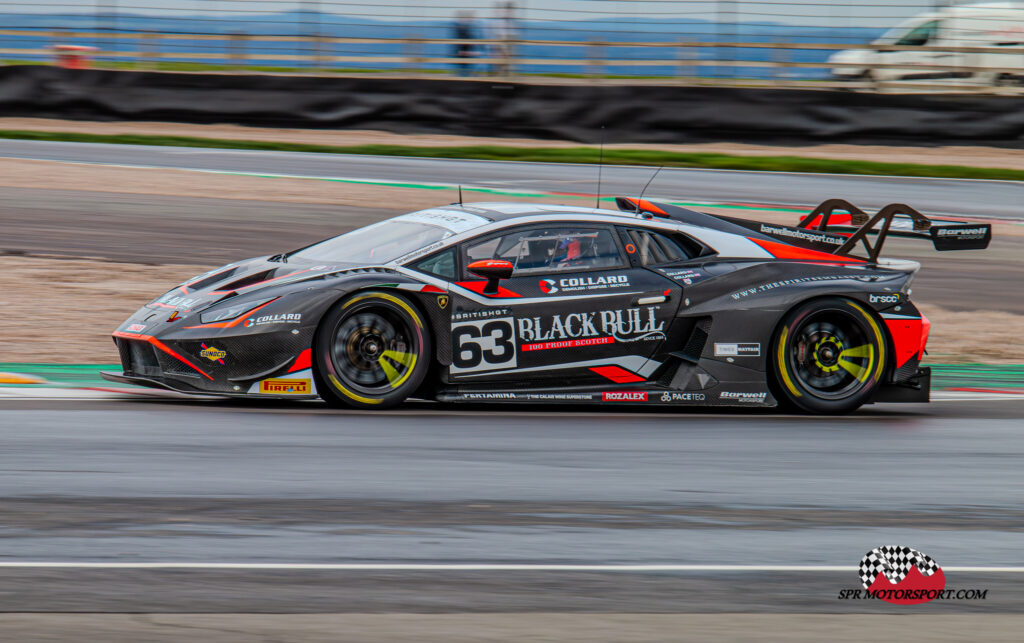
(200, 482)
(998, 199)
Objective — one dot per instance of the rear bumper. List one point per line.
(914, 390)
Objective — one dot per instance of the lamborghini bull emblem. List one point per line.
(442, 301)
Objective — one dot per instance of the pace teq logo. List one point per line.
(547, 286)
(905, 576)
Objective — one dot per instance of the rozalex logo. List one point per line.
(547, 286)
(905, 576)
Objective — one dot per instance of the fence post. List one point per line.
(413, 54)
(687, 56)
(321, 44)
(150, 51)
(239, 45)
(595, 54)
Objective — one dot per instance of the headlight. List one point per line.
(233, 311)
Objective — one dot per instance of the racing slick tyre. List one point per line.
(828, 356)
(372, 350)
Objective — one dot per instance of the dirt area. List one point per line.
(95, 178)
(965, 155)
(76, 303)
(63, 311)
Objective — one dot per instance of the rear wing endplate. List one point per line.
(896, 219)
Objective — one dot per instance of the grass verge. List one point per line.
(553, 155)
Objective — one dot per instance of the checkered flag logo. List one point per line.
(895, 563)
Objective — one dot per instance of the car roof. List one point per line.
(505, 211)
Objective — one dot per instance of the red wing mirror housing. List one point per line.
(493, 270)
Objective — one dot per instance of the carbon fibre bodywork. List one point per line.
(694, 330)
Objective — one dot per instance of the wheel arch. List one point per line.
(885, 375)
(419, 304)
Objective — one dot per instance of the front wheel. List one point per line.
(372, 351)
(828, 356)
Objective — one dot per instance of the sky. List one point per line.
(841, 13)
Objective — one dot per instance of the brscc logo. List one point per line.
(901, 575)
(547, 286)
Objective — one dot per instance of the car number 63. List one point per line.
(483, 345)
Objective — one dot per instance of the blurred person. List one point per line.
(502, 31)
(464, 30)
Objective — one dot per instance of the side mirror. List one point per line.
(493, 270)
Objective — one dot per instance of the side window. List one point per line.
(440, 265)
(653, 248)
(555, 249)
(920, 36)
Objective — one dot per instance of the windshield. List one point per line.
(913, 33)
(378, 243)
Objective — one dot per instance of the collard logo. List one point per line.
(287, 318)
(582, 284)
(901, 575)
(285, 387)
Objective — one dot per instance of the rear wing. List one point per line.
(896, 219)
(834, 227)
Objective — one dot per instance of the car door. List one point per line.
(575, 311)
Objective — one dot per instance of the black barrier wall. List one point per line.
(638, 114)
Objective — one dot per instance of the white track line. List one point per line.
(464, 567)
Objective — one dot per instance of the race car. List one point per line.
(652, 304)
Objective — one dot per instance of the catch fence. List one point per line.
(905, 45)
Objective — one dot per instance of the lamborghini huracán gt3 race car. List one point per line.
(497, 302)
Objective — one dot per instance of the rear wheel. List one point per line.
(372, 351)
(829, 356)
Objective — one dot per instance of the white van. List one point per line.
(992, 24)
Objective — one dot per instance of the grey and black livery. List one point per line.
(652, 304)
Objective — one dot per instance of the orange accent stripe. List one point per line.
(647, 205)
(617, 374)
(260, 283)
(302, 362)
(165, 348)
(786, 251)
(198, 279)
(478, 287)
(231, 324)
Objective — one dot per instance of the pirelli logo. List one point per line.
(285, 387)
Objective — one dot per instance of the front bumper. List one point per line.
(274, 364)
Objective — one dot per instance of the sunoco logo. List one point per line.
(905, 576)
